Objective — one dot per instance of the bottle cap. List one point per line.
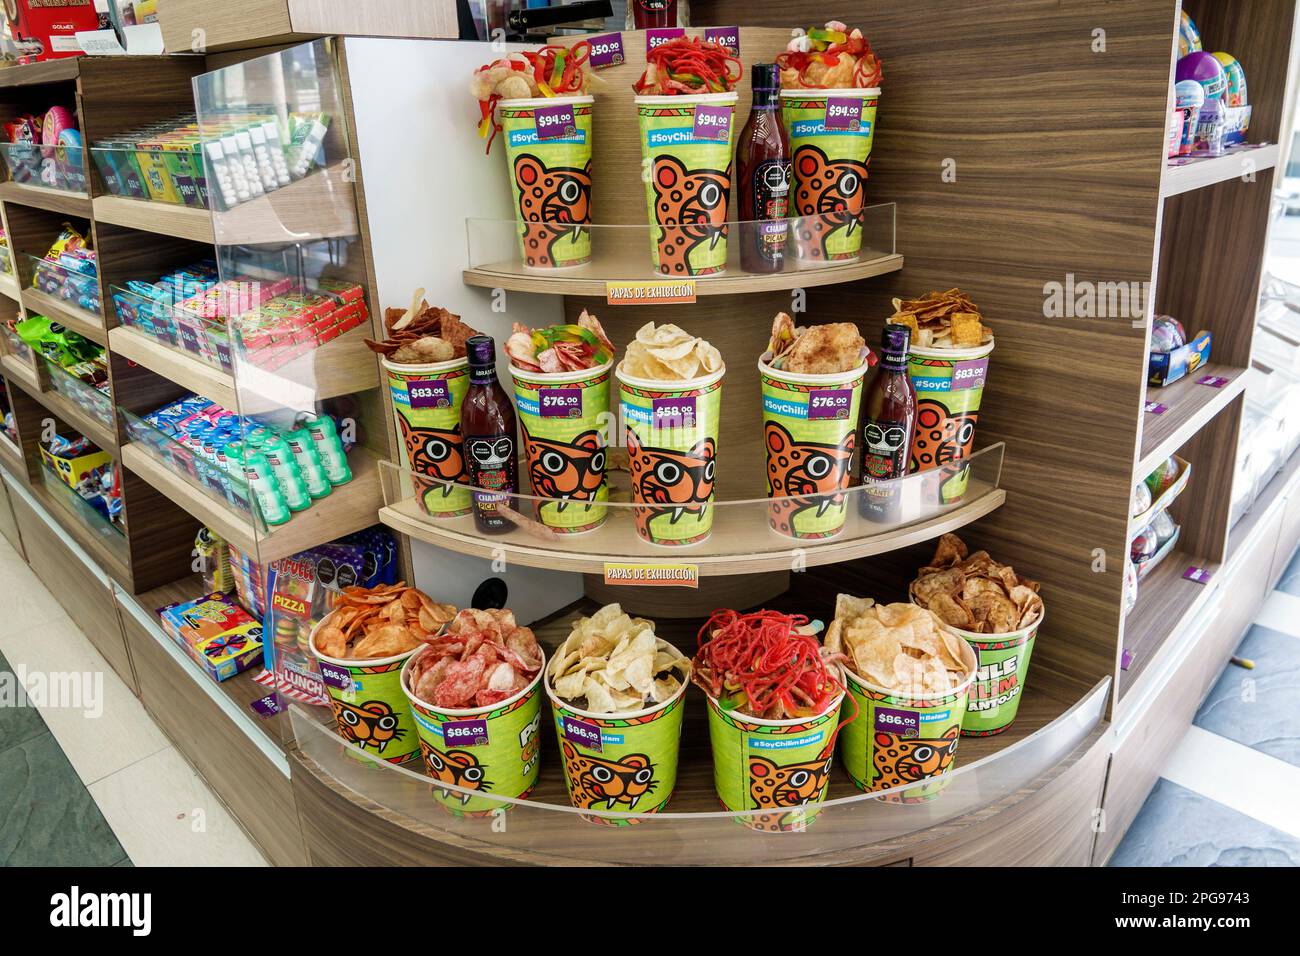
(897, 338)
(765, 76)
(481, 350)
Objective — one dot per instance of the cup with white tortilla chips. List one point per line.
(670, 401)
(561, 377)
(360, 648)
(812, 393)
(618, 694)
(998, 613)
(424, 359)
(948, 365)
(910, 677)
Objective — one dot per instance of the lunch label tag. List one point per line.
(560, 402)
(673, 412)
(1199, 575)
(335, 676)
(1214, 381)
(903, 723)
(844, 113)
(712, 123)
(725, 36)
(606, 51)
(430, 393)
(654, 38)
(832, 403)
(465, 733)
(555, 122)
(581, 733)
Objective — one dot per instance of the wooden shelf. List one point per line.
(109, 554)
(180, 222)
(11, 457)
(79, 320)
(1166, 602)
(636, 267)
(741, 542)
(1188, 407)
(70, 412)
(1200, 173)
(62, 201)
(180, 367)
(18, 371)
(46, 71)
(304, 211)
(9, 286)
(348, 508)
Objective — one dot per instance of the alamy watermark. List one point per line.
(71, 690)
(1073, 299)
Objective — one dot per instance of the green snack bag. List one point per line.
(548, 150)
(426, 404)
(809, 435)
(564, 423)
(949, 385)
(686, 154)
(831, 132)
(370, 709)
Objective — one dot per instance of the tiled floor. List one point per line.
(95, 784)
(1230, 795)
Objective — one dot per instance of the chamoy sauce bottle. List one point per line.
(763, 156)
(487, 427)
(889, 418)
(648, 14)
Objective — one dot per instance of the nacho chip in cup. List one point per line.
(1002, 667)
(686, 149)
(809, 436)
(781, 766)
(564, 424)
(548, 150)
(831, 132)
(370, 708)
(623, 764)
(899, 739)
(495, 750)
(949, 384)
(426, 405)
(671, 428)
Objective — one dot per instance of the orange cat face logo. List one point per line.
(553, 203)
(805, 468)
(435, 452)
(898, 761)
(697, 199)
(598, 784)
(681, 481)
(570, 471)
(460, 768)
(774, 787)
(372, 724)
(829, 196)
(941, 438)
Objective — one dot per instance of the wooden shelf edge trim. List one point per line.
(1221, 399)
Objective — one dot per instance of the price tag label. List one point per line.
(266, 707)
(335, 676)
(606, 51)
(1155, 408)
(969, 375)
(712, 123)
(725, 36)
(1214, 381)
(581, 733)
(430, 393)
(844, 113)
(1198, 575)
(832, 403)
(673, 412)
(654, 38)
(560, 402)
(465, 733)
(555, 122)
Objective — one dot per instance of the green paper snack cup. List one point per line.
(831, 132)
(686, 154)
(495, 750)
(626, 763)
(370, 708)
(548, 149)
(897, 740)
(1003, 666)
(564, 422)
(949, 384)
(781, 765)
(810, 435)
(671, 430)
(426, 405)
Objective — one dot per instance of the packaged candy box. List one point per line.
(1165, 368)
(219, 635)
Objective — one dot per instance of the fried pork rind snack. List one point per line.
(369, 623)
(832, 57)
(900, 648)
(975, 593)
(552, 70)
(817, 349)
(481, 659)
(943, 320)
(668, 354)
(422, 334)
(560, 348)
(613, 664)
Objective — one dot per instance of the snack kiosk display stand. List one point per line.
(1006, 192)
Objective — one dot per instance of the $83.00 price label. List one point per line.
(431, 393)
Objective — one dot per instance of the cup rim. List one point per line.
(658, 99)
(973, 352)
(361, 661)
(803, 378)
(465, 711)
(788, 721)
(962, 688)
(535, 101)
(559, 702)
(977, 638)
(865, 92)
(561, 377)
(447, 366)
(686, 385)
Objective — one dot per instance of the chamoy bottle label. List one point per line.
(490, 460)
(771, 185)
(884, 450)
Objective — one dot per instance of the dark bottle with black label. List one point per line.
(763, 158)
(889, 419)
(487, 427)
